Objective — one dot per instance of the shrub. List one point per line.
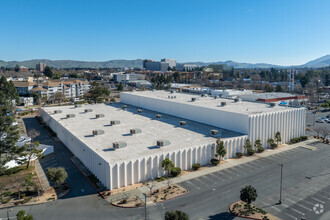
(261, 149)
(250, 152)
(160, 178)
(273, 145)
(239, 154)
(175, 171)
(303, 138)
(215, 161)
(196, 166)
(138, 204)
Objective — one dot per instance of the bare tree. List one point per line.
(168, 183)
(33, 133)
(324, 131)
(151, 185)
(317, 130)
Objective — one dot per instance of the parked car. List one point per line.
(320, 120)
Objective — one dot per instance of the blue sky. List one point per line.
(286, 32)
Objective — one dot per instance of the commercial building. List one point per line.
(155, 66)
(127, 77)
(171, 62)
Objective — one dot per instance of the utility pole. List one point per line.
(145, 206)
(8, 211)
(280, 202)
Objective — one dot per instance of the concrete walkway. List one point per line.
(42, 176)
(230, 163)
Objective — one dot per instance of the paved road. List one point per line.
(209, 195)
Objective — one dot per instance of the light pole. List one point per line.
(145, 206)
(8, 211)
(280, 202)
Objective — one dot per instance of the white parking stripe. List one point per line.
(217, 177)
(227, 173)
(324, 197)
(291, 216)
(304, 207)
(295, 210)
(193, 185)
(317, 199)
(310, 203)
(201, 182)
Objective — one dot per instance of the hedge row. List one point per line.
(299, 139)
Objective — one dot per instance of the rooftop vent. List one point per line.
(135, 131)
(57, 111)
(237, 100)
(163, 143)
(214, 132)
(98, 132)
(193, 99)
(70, 115)
(99, 115)
(182, 123)
(203, 95)
(77, 105)
(158, 116)
(115, 122)
(124, 107)
(139, 110)
(223, 103)
(272, 104)
(119, 144)
(88, 110)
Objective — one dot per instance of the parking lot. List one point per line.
(311, 121)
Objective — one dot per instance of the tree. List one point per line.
(278, 137)
(9, 134)
(120, 87)
(278, 88)
(220, 149)
(59, 97)
(268, 88)
(324, 131)
(151, 185)
(97, 92)
(22, 216)
(16, 68)
(57, 175)
(167, 165)
(176, 215)
(247, 144)
(271, 143)
(304, 80)
(48, 72)
(32, 151)
(257, 144)
(248, 194)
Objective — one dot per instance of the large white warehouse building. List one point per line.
(125, 143)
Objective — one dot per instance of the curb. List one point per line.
(88, 179)
(241, 216)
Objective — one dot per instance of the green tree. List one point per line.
(248, 194)
(271, 143)
(22, 216)
(176, 215)
(269, 88)
(31, 152)
(8, 134)
(257, 144)
(120, 87)
(16, 68)
(278, 137)
(278, 88)
(304, 80)
(247, 144)
(48, 72)
(220, 149)
(57, 174)
(167, 165)
(97, 93)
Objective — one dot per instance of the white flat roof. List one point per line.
(139, 145)
(241, 107)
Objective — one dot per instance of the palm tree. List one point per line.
(167, 165)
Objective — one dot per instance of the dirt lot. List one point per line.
(166, 193)
(129, 202)
(241, 208)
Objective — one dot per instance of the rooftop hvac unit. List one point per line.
(98, 132)
(57, 111)
(214, 132)
(119, 144)
(77, 105)
(124, 107)
(182, 123)
(135, 131)
(236, 100)
(139, 110)
(158, 116)
(272, 104)
(70, 116)
(88, 110)
(193, 99)
(163, 143)
(99, 115)
(223, 103)
(115, 122)
(203, 95)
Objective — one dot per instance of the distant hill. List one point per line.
(320, 62)
(75, 64)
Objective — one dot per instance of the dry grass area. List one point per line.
(166, 193)
(121, 190)
(19, 186)
(243, 209)
(129, 202)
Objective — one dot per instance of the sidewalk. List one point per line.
(230, 163)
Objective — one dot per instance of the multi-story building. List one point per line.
(155, 66)
(171, 62)
(125, 77)
(40, 67)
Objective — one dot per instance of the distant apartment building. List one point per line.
(40, 67)
(155, 66)
(23, 69)
(71, 88)
(171, 62)
(125, 77)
